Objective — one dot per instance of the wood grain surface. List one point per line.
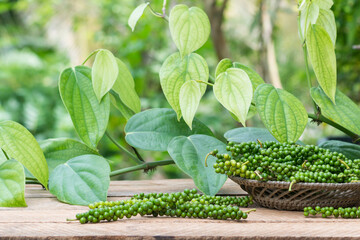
(45, 218)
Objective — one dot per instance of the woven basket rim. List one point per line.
(300, 185)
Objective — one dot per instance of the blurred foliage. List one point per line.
(39, 38)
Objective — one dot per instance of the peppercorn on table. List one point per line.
(45, 218)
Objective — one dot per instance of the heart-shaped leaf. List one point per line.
(136, 15)
(222, 66)
(190, 96)
(345, 113)
(350, 150)
(189, 155)
(59, 150)
(124, 86)
(324, 4)
(308, 16)
(126, 112)
(233, 90)
(322, 55)
(90, 118)
(104, 72)
(12, 184)
(326, 19)
(189, 28)
(176, 71)
(19, 143)
(281, 112)
(251, 134)
(153, 129)
(81, 180)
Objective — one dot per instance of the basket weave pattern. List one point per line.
(273, 194)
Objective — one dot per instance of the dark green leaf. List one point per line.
(189, 155)
(153, 129)
(350, 150)
(81, 180)
(90, 118)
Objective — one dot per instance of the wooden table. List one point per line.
(45, 218)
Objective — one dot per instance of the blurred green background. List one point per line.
(39, 38)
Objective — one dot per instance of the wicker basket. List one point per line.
(276, 195)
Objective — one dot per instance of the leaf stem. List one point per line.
(131, 155)
(145, 166)
(321, 118)
(156, 14)
(91, 54)
(210, 84)
(211, 78)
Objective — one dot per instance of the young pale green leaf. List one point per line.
(233, 90)
(190, 96)
(126, 112)
(308, 17)
(136, 15)
(326, 19)
(251, 134)
(20, 144)
(90, 118)
(322, 55)
(59, 150)
(222, 66)
(281, 112)
(3, 158)
(81, 180)
(124, 86)
(176, 71)
(255, 78)
(324, 4)
(189, 155)
(189, 28)
(153, 129)
(12, 184)
(345, 112)
(350, 150)
(104, 73)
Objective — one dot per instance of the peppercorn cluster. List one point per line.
(289, 162)
(325, 212)
(180, 204)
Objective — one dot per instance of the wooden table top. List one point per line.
(45, 218)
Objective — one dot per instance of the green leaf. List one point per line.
(18, 143)
(59, 150)
(326, 19)
(350, 150)
(222, 66)
(126, 112)
(125, 87)
(190, 96)
(189, 155)
(81, 180)
(322, 56)
(12, 184)
(251, 134)
(3, 158)
(233, 90)
(281, 112)
(90, 118)
(345, 113)
(324, 4)
(176, 71)
(104, 73)
(189, 28)
(308, 17)
(255, 78)
(136, 15)
(153, 129)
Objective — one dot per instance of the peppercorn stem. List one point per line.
(347, 166)
(258, 174)
(251, 210)
(291, 184)
(71, 219)
(303, 165)
(207, 155)
(260, 143)
(145, 166)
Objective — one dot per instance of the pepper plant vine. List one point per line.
(74, 171)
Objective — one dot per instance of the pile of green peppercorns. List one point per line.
(325, 212)
(289, 162)
(180, 204)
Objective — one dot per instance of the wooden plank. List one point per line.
(129, 188)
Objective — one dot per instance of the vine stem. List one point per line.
(131, 155)
(91, 54)
(144, 166)
(321, 118)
